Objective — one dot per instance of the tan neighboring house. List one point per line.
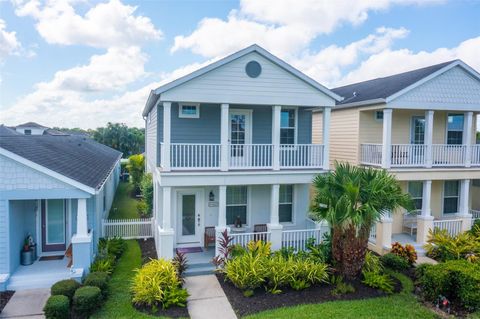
(420, 126)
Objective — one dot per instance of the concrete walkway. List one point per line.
(206, 298)
(26, 304)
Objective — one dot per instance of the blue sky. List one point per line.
(84, 63)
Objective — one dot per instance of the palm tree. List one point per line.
(352, 199)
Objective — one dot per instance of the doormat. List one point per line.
(45, 258)
(190, 250)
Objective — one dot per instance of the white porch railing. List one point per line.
(373, 234)
(371, 154)
(301, 156)
(448, 155)
(453, 226)
(408, 154)
(475, 214)
(128, 228)
(251, 155)
(194, 156)
(297, 239)
(475, 154)
(243, 239)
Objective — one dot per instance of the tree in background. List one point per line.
(145, 207)
(128, 140)
(136, 167)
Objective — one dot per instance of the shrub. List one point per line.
(407, 252)
(103, 264)
(278, 272)
(259, 248)
(114, 246)
(65, 287)
(372, 263)
(322, 251)
(146, 189)
(136, 167)
(86, 300)
(97, 279)
(380, 281)
(246, 272)
(341, 287)
(155, 280)
(442, 246)
(457, 280)
(57, 307)
(394, 262)
(180, 263)
(307, 272)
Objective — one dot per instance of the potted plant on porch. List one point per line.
(26, 257)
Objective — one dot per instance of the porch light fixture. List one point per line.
(211, 196)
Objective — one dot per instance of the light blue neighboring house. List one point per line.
(55, 187)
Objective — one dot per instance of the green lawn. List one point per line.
(402, 305)
(118, 304)
(124, 205)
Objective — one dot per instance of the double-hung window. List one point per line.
(416, 192)
(285, 206)
(450, 197)
(237, 199)
(455, 129)
(287, 126)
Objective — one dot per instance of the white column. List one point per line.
(224, 137)
(467, 135)
(274, 226)
(425, 220)
(276, 111)
(167, 208)
(464, 197)
(82, 224)
(326, 137)
(428, 137)
(426, 198)
(222, 216)
(387, 138)
(167, 110)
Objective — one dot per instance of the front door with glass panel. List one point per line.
(239, 136)
(53, 225)
(189, 219)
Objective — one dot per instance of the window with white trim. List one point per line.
(287, 126)
(379, 116)
(450, 197)
(237, 199)
(27, 132)
(455, 128)
(415, 189)
(285, 204)
(189, 110)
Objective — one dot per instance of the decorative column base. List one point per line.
(383, 241)
(165, 243)
(467, 221)
(218, 236)
(275, 236)
(424, 224)
(82, 252)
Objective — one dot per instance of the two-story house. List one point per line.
(420, 126)
(230, 147)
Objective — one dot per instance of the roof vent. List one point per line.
(354, 93)
(253, 69)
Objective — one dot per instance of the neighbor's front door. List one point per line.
(189, 219)
(239, 137)
(53, 225)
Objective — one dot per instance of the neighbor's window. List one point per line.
(455, 129)
(450, 197)
(189, 111)
(379, 116)
(416, 192)
(287, 126)
(285, 206)
(28, 132)
(236, 204)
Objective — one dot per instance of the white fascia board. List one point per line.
(359, 104)
(108, 176)
(47, 171)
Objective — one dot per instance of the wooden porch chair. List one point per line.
(209, 236)
(260, 228)
(410, 221)
(68, 254)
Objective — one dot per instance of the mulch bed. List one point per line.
(148, 250)
(4, 298)
(262, 300)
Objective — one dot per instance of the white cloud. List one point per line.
(284, 27)
(9, 43)
(105, 25)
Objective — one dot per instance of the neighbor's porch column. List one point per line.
(82, 250)
(383, 240)
(387, 138)
(224, 158)
(274, 227)
(326, 137)
(166, 233)
(222, 216)
(428, 138)
(464, 212)
(468, 128)
(167, 111)
(276, 113)
(425, 220)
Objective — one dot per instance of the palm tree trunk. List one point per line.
(348, 251)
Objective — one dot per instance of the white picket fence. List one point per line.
(297, 239)
(243, 239)
(453, 226)
(128, 228)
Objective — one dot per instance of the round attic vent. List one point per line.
(253, 69)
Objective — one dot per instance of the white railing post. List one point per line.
(276, 112)
(326, 137)
(387, 138)
(468, 127)
(428, 137)
(224, 149)
(167, 109)
(274, 227)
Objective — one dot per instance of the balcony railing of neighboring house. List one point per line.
(184, 156)
(475, 214)
(416, 155)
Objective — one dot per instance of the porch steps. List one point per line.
(200, 269)
(31, 282)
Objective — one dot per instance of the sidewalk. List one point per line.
(26, 304)
(206, 296)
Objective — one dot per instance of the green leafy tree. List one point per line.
(352, 199)
(136, 167)
(128, 140)
(146, 188)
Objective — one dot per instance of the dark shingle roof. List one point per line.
(31, 124)
(79, 158)
(382, 88)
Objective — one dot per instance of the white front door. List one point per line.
(189, 217)
(240, 137)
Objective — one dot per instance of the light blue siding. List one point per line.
(205, 129)
(22, 223)
(4, 237)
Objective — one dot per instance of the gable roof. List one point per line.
(385, 89)
(155, 94)
(32, 124)
(77, 158)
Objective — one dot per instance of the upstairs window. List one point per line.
(237, 204)
(455, 129)
(287, 126)
(415, 189)
(450, 197)
(189, 110)
(28, 132)
(285, 206)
